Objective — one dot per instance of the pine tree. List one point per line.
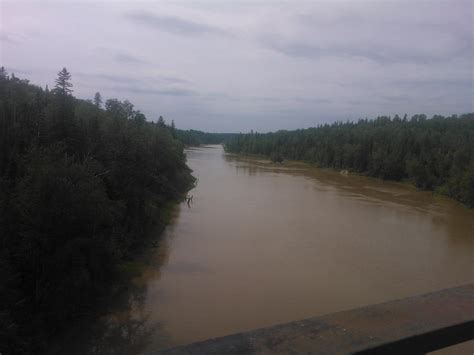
(3, 73)
(173, 129)
(161, 122)
(63, 82)
(98, 99)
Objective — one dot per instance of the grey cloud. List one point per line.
(127, 79)
(174, 25)
(398, 98)
(121, 57)
(108, 77)
(298, 99)
(297, 48)
(152, 91)
(138, 89)
(128, 59)
(174, 80)
(374, 35)
(374, 52)
(389, 100)
(462, 83)
(7, 39)
(361, 19)
(216, 96)
(314, 100)
(360, 102)
(266, 99)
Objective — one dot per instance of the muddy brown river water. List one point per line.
(263, 244)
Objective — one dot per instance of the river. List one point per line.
(263, 244)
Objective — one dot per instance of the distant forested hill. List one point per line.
(80, 187)
(436, 154)
(193, 137)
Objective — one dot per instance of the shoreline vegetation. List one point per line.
(434, 154)
(266, 162)
(84, 185)
(193, 138)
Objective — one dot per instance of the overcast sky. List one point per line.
(240, 65)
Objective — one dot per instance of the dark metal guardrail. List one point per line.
(411, 325)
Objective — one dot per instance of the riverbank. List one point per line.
(435, 154)
(300, 164)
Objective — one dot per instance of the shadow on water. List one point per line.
(123, 326)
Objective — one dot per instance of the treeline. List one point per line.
(436, 154)
(80, 188)
(193, 137)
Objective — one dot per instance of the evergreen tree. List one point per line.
(63, 82)
(161, 122)
(3, 73)
(98, 100)
(173, 129)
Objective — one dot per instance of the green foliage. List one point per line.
(80, 189)
(63, 82)
(98, 99)
(436, 154)
(194, 138)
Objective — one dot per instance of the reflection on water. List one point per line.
(264, 244)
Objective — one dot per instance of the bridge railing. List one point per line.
(412, 325)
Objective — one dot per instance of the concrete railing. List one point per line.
(412, 325)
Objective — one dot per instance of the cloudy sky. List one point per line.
(240, 65)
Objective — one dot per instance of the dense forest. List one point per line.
(436, 154)
(81, 186)
(193, 137)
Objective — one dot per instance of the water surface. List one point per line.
(263, 244)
